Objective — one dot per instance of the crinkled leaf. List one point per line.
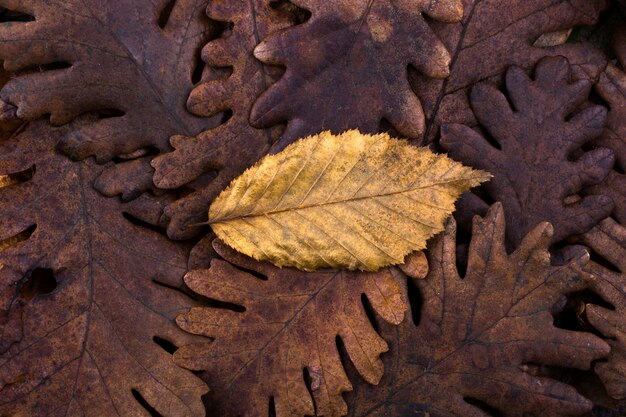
(81, 307)
(234, 145)
(529, 145)
(479, 338)
(286, 327)
(349, 201)
(353, 54)
(110, 58)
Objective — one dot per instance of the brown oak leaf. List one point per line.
(528, 144)
(353, 54)
(479, 338)
(87, 299)
(609, 240)
(131, 62)
(234, 145)
(491, 37)
(612, 88)
(487, 39)
(286, 326)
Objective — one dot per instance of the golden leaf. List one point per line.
(350, 201)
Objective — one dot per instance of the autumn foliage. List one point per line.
(313, 208)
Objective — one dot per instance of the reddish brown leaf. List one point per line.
(289, 326)
(353, 54)
(84, 293)
(113, 59)
(528, 146)
(341, 57)
(491, 38)
(612, 88)
(233, 146)
(609, 240)
(479, 338)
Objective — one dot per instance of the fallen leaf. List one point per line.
(284, 332)
(131, 62)
(340, 55)
(353, 54)
(529, 142)
(478, 338)
(85, 295)
(609, 240)
(491, 38)
(233, 146)
(612, 88)
(349, 201)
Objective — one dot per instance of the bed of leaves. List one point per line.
(121, 121)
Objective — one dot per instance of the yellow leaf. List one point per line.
(350, 201)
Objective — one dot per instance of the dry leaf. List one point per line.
(350, 201)
(609, 240)
(278, 328)
(355, 54)
(233, 146)
(490, 38)
(530, 144)
(99, 342)
(612, 88)
(87, 299)
(131, 62)
(344, 51)
(479, 340)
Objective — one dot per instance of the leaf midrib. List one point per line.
(343, 201)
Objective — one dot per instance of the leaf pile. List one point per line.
(122, 122)
(609, 240)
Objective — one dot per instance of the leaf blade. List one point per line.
(336, 200)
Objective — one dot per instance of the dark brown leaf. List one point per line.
(341, 57)
(612, 88)
(84, 293)
(347, 66)
(609, 240)
(290, 326)
(113, 59)
(528, 145)
(492, 37)
(233, 146)
(479, 338)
